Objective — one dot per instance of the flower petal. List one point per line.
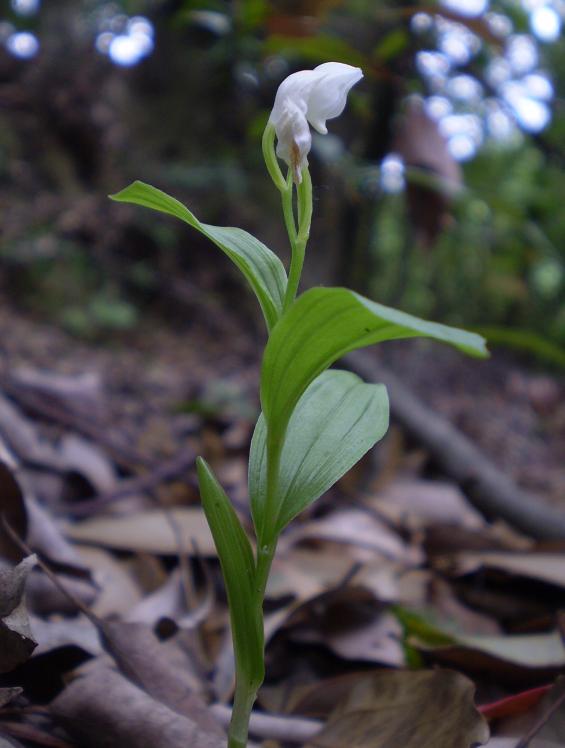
(328, 95)
(293, 137)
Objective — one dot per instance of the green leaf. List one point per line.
(337, 420)
(320, 327)
(238, 568)
(263, 270)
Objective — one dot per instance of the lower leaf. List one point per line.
(337, 420)
(238, 567)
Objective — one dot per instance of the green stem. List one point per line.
(305, 205)
(296, 265)
(288, 211)
(244, 699)
(299, 240)
(271, 162)
(265, 555)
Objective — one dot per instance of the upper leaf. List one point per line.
(337, 420)
(238, 568)
(263, 270)
(320, 327)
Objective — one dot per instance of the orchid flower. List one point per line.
(309, 97)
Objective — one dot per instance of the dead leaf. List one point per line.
(168, 600)
(7, 694)
(45, 537)
(454, 615)
(12, 509)
(378, 640)
(119, 591)
(147, 531)
(16, 640)
(409, 709)
(101, 702)
(64, 632)
(82, 456)
(22, 437)
(515, 657)
(363, 532)
(510, 706)
(81, 392)
(546, 567)
(301, 573)
(542, 726)
(162, 669)
(44, 598)
(419, 503)
(7, 742)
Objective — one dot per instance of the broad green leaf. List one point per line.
(263, 270)
(337, 420)
(320, 327)
(238, 568)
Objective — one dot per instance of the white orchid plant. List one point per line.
(316, 422)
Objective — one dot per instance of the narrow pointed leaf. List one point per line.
(337, 420)
(320, 327)
(262, 269)
(238, 568)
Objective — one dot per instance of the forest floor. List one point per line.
(394, 569)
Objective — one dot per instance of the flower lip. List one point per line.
(309, 96)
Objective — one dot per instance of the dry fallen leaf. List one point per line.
(426, 709)
(378, 640)
(546, 567)
(543, 726)
(101, 702)
(12, 508)
(357, 528)
(7, 694)
(147, 531)
(81, 456)
(515, 658)
(119, 591)
(16, 640)
(162, 669)
(8, 742)
(418, 503)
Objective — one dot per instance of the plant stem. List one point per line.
(299, 239)
(288, 211)
(244, 699)
(265, 557)
(268, 145)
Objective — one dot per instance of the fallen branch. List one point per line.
(270, 727)
(488, 488)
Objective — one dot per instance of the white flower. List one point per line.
(309, 96)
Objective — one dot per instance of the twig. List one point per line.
(489, 489)
(97, 622)
(140, 484)
(270, 727)
(28, 732)
(525, 741)
(125, 455)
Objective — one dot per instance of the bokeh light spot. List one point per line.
(545, 22)
(25, 7)
(466, 7)
(22, 44)
(392, 174)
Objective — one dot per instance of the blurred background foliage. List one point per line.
(439, 191)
